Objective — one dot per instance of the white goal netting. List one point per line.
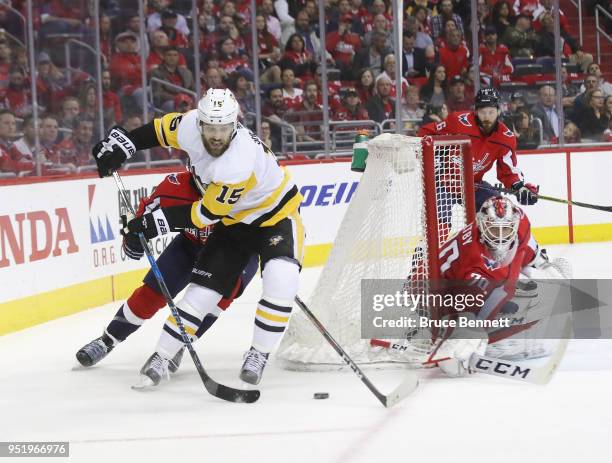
(384, 235)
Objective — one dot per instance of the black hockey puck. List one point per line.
(321, 395)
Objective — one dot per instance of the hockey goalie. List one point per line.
(490, 255)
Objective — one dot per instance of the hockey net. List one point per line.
(411, 198)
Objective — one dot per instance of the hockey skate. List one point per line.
(153, 371)
(526, 288)
(157, 368)
(253, 366)
(94, 351)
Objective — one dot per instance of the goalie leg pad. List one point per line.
(280, 285)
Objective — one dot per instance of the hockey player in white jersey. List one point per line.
(253, 202)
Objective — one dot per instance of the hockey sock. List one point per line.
(280, 283)
(123, 324)
(270, 322)
(198, 311)
(142, 305)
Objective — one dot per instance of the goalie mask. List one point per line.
(217, 120)
(498, 221)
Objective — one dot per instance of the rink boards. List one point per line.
(60, 250)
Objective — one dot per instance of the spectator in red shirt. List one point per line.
(457, 99)
(112, 105)
(274, 107)
(5, 62)
(125, 66)
(22, 151)
(494, 57)
(309, 114)
(52, 83)
(273, 24)
(389, 71)
(170, 71)
(230, 60)
(351, 108)
(106, 42)
(49, 131)
(17, 96)
(268, 52)
(365, 85)
(77, 149)
(169, 19)
(9, 161)
(343, 44)
(298, 57)
(62, 17)
(159, 42)
(292, 96)
(454, 57)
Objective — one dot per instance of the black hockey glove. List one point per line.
(150, 224)
(131, 242)
(113, 151)
(526, 193)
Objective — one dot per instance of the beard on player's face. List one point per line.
(215, 146)
(487, 118)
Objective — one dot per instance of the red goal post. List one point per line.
(413, 195)
(434, 171)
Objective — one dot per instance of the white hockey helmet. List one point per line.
(218, 107)
(498, 221)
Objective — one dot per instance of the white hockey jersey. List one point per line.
(245, 184)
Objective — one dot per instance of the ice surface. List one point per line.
(479, 418)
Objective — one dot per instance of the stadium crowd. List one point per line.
(515, 54)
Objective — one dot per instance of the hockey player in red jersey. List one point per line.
(489, 254)
(175, 263)
(492, 143)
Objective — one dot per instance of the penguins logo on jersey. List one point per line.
(275, 240)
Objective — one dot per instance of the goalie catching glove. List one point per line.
(113, 151)
(526, 193)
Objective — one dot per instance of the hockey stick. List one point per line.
(214, 388)
(550, 198)
(520, 371)
(389, 400)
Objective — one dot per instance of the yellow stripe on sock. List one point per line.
(269, 316)
(189, 330)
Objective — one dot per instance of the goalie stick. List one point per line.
(214, 388)
(550, 198)
(521, 371)
(389, 400)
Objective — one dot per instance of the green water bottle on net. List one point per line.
(360, 151)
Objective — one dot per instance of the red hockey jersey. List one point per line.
(498, 147)
(466, 258)
(174, 190)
